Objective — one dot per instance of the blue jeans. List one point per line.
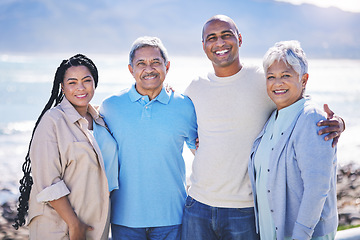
(119, 232)
(202, 222)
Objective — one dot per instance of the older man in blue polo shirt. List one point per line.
(150, 126)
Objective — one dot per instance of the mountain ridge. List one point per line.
(111, 26)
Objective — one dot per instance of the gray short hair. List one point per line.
(148, 42)
(291, 53)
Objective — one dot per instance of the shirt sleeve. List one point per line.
(316, 159)
(192, 131)
(109, 151)
(53, 192)
(188, 90)
(47, 167)
(105, 110)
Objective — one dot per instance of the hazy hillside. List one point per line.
(110, 26)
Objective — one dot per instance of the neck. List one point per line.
(151, 93)
(89, 118)
(228, 70)
(82, 111)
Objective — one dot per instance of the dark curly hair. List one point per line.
(55, 98)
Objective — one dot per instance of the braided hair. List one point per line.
(55, 98)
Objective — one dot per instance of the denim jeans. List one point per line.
(119, 232)
(202, 222)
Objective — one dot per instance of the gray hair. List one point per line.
(291, 53)
(146, 41)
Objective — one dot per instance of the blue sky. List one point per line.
(110, 26)
(345, 5)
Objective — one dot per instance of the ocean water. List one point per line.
(26, 81)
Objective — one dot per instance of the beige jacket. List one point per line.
(66, 161)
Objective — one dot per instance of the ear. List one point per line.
(304, 79)
(240, 39)
(130, 69)
(167, 66)
(203, 44)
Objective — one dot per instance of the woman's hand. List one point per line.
(78, 230)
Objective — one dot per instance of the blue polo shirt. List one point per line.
(150, 137)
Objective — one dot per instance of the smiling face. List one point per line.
(149, 70)
(221, 44)
(283, 84)
(78, 87)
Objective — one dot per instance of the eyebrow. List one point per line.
(268, 73)
(88, 76)
(143, 60)
(211, 34)
(223, 32)
(228, 31)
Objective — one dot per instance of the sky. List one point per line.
(111, 26)
(346, 5)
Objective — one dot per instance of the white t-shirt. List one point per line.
(231, 111)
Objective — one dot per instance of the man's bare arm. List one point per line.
(335, 126)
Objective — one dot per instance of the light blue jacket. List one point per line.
(302, 179)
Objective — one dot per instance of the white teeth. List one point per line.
(280, 91)
(149, 77)
(221, 52)
(80, 96)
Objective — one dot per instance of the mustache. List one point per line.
(150, 75)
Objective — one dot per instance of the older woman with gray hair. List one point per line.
(292, 169)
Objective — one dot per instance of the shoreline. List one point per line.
(348, 204)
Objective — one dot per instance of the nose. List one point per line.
(149, 68)
(278, 82)
(220, 42)
(81, 86)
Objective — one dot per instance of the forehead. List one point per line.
(217, 27)
(147, 53)
(77, 70)
(280, 66)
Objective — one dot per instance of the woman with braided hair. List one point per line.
(67, 193)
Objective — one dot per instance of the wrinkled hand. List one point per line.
(78, 231)
(335, 126)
